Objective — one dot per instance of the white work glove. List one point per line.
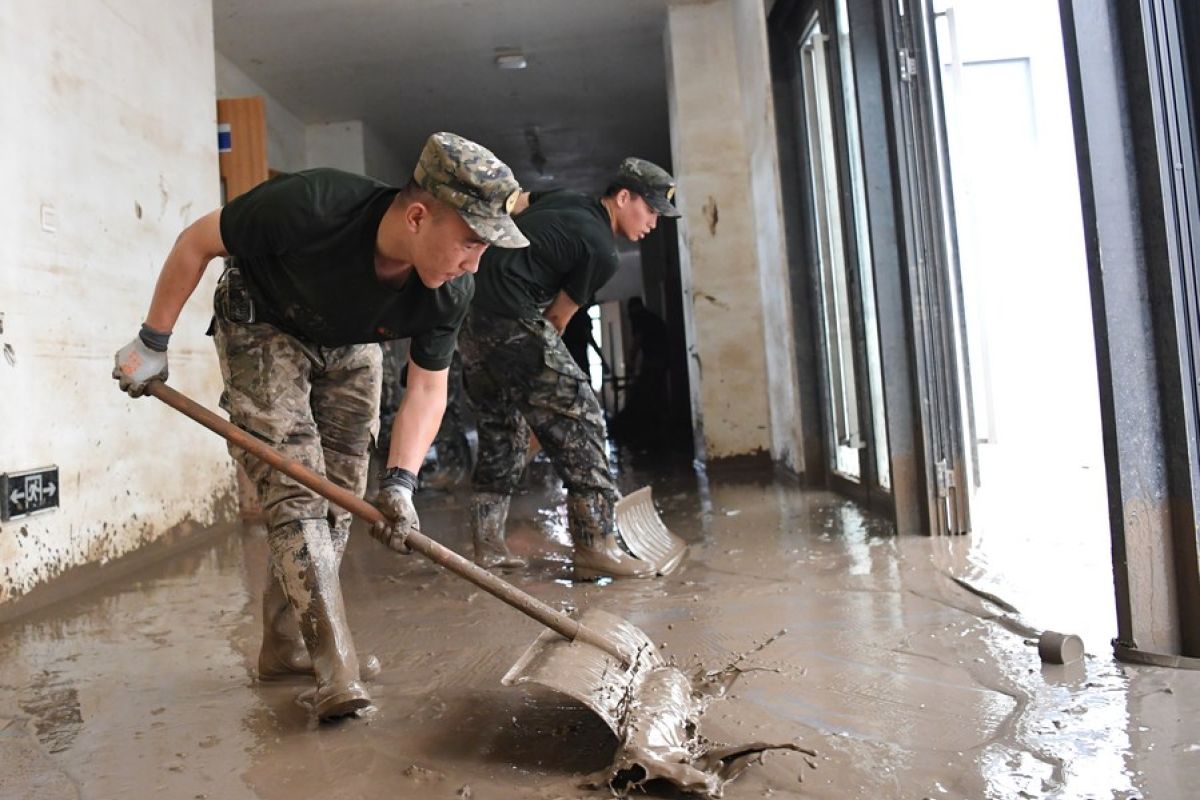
(395, 501)
(141, 361)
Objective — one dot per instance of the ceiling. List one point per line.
(593, 93)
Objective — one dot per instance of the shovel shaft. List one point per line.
(523, 602)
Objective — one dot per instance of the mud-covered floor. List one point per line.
(905, 683)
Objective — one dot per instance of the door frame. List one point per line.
(1136, 146)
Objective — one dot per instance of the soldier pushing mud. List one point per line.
(520, 376)
(324, 265)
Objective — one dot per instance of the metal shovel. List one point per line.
(645, 535)
(601, 660)
(639, 526)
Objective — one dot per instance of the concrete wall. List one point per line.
(758, 111)
(732, 261)
(109, 124)
(286, 142)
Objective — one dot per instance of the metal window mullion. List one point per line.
(816, 185)
(842, 338)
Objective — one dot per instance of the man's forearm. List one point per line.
(559, 312)
(199, 244)
(416, 425)
(559, 323)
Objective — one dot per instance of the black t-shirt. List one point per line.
(305, 243)
(571, 249)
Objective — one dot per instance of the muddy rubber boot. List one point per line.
(304, 562)
(598, 550)
(339, 533)
(283, 654)
(489, 512)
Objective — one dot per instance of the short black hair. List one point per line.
(615, 187)
(412, 192)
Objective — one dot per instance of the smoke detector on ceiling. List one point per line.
(510, 58)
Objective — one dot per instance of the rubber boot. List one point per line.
(598, 549)
(304, 562)
(339, 534)
(489, 512)
(283, 654)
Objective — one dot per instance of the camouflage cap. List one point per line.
(652, 182)
(478, 185)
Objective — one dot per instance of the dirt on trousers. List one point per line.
(901, 682)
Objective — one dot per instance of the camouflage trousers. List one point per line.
(519, 376)
(317, 405)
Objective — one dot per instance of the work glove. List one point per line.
(141, 361)
(396, 487)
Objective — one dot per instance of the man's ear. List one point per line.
(623, 198)
(416, 215)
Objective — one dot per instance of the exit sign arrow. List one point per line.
(28, 492)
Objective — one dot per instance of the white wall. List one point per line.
(286, 143)
(382, 163)
(355, 147)
(109, 119)
(292, 145)
(732, 261)
(337, 144)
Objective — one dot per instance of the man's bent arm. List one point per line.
(199, 244)
(560, 312)
(419, 417)
(522, 203)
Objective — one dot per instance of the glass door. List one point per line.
(837, 338)
(850, 374)
(934, 290)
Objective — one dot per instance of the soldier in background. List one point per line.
(520, 376)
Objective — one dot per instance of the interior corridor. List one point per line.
(905, 683)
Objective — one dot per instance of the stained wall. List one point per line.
(109, 151)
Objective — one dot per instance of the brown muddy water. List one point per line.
(904, 683)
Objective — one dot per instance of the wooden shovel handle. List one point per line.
(523, 602)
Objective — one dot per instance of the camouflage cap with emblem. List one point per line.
(651, 181)
(478, 185)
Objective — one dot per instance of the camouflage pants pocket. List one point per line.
(519, 375)
(305, 401)
(266, 379)
(345, 407)
(561, 386)
(345, 396)
(563, 411)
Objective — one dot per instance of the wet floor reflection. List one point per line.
(847, 639)
(1073, 725)
(1045, 547)
(141, 688)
